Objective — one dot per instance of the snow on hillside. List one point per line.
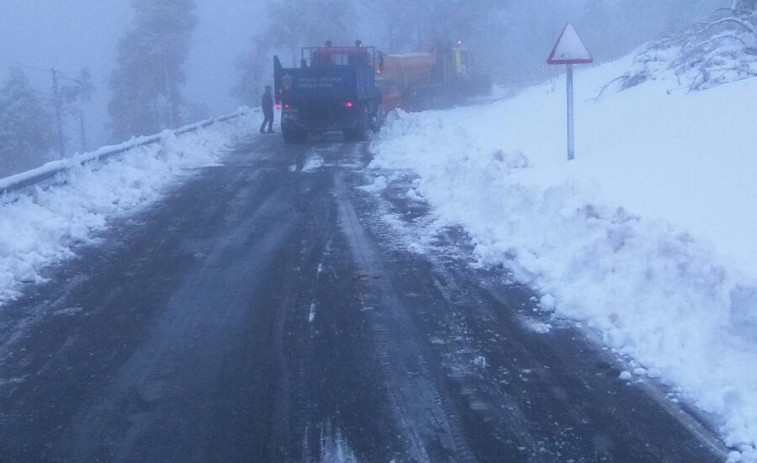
(38, 228)
(648, 237)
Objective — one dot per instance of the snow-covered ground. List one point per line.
(39, 226)
(649, 237)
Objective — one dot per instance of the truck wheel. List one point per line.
(294, 136)
(359, 133)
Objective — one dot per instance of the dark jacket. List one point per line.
(267, 103)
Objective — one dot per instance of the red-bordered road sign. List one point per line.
(569, 49)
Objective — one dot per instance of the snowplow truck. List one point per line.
(333, 89)
(437, 79)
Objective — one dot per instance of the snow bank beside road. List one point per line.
(40, 227)
(650, 236)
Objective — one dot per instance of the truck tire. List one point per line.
(360, 132)
(293, 135)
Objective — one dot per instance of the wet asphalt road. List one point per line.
(264, 312)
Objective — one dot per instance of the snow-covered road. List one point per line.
(263, 311)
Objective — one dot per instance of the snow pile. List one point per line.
(649, 237)
(40, 227)
(44, 172)
(313, 163)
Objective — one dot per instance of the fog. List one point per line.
(223, 34)
(69, 35)
(512, 40)
(66, 35)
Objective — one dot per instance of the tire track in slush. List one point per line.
(426, 419)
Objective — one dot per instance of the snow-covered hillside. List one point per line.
(40, 226)
(648, 237)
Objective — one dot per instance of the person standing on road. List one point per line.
(267, 105)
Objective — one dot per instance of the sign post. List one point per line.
(569, 50)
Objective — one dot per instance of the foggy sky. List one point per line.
(71, 34)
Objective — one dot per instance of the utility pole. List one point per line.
(82, 132)
(57, 103)
(59, 106)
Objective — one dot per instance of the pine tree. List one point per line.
(26, 129)
(147, 83)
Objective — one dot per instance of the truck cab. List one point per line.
(332, 89)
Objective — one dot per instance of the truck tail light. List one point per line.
(349, 104)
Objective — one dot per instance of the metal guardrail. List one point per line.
(51, 170)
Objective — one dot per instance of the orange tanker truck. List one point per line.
(417, 81)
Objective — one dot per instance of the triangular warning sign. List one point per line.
(569, 49)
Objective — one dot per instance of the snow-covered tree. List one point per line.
(26, 129)
(146, 85)
(719, 50)
(722, 49)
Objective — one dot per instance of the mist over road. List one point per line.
(265, 312)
